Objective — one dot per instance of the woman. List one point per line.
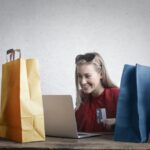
(95, 90)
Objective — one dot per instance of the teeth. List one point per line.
(85, 87)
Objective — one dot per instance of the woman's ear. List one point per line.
(101, 75)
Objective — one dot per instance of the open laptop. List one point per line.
(60, 118)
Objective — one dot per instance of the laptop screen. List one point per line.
(59, 116)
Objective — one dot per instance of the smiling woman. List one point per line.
(95, 90)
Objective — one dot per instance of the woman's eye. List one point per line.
(85, 76)
(88, 76)
(79, 76)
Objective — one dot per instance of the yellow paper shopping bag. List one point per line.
(22, 116)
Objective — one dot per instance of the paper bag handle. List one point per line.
(12, 54)
(19, 51)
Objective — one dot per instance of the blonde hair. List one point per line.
(97, 60)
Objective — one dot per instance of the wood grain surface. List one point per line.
(92, 143)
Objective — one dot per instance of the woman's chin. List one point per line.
(86, 91)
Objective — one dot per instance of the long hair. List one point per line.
(97, 60)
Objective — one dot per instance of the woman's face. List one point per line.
(89, 79)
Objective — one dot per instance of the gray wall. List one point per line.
(55, 31)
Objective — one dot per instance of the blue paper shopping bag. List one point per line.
(133, 109)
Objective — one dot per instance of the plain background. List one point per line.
(55, 31)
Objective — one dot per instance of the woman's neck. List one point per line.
(98, 91)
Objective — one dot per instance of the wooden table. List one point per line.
(92, 143)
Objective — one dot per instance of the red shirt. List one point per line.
(86, 113)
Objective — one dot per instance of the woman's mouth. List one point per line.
(85, 87)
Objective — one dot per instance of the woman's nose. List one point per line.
(83, 81)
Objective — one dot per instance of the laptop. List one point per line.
(60, 118)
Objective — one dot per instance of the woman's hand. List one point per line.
(109, 123)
